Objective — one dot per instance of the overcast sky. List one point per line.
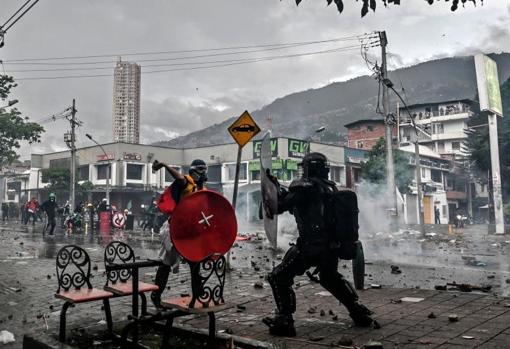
(175, 103)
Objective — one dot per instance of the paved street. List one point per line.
(28, 282)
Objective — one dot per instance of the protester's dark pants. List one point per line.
(29, 215)
(51, 223)
(162, 275)
(296, 262)
(5, 215)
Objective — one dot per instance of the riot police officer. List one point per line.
(315, 246)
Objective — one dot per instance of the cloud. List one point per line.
(176, 103)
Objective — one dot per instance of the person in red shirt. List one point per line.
(32, 207)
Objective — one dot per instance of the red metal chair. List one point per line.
(73, 273)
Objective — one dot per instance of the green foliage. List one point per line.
(367, 5)
(13, 127)
(59, 181)
(374, 170)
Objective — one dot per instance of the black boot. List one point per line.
(281, 325)
(361, 315)
(161, 279)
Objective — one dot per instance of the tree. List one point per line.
(372, 4)
(59, 182)
(13, 127)
(374, 170)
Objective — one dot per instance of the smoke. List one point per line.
(373, 203)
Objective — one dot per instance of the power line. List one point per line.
(20, 16)
(177, 64)
(15, 13)
(302, 43)
(248, 61)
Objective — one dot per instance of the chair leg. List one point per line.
(166, 334)
(108, 314)
(212, 329)
(144, 303)
(62, 333)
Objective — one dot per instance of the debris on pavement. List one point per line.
(412, 299)
(468, 337)
(6, 337)
(469, 288)
(453, 317)
(432, 316)
(395, 269)
(373, 345)
(376, 286)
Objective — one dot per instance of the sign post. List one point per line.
(242, 131)
(490, 101)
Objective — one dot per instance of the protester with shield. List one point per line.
(327, 222)
(182, 186)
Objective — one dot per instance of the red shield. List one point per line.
(202, 224)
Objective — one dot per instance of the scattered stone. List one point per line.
(440, 287)
(316, 338)
(375, 286)
(468, 337)
(51, 306)
(184, 294)
(432, 316)
(95, 267)
(373, 345)
(346, 341)
(376, 325)
(256, 268)
(335, 318)
(330, 312)
(453, 317)
(491, 276)
(48, 276)
(395, 269)
(312, 310)
(258, 285)
(322, 313)
(10, 316)
(241, 307)
(507, 281)
(229, 331)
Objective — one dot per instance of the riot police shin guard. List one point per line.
(283, 323)
(342, 290)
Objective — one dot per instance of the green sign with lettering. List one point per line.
(258, 144)
(298, 148)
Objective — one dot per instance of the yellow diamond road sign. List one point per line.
(243, 129)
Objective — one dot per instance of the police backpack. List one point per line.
(342, 220)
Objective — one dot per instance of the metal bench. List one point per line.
(207, 283)
(73, 273)
(120, 282)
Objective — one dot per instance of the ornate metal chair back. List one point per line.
(208, 281)
(118, 252)
(73, 268)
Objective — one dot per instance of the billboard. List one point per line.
(258, 144)
(488, 84)
(297, 148)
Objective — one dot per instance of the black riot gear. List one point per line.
(318, 208)
(315, 165)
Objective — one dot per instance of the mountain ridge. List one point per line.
(339, 103)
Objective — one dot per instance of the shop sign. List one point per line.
(105, 157)
(258, 144)
(298, 148)
(132, 156)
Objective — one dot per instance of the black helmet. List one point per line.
(198, 165)
(315, 165)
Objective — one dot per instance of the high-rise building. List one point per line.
(126, 102)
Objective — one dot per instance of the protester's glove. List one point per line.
(156, 165)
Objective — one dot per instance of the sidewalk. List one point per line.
(28, 282)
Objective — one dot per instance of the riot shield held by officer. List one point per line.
(328, 227)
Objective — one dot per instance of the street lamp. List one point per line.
(107, 169)
(310, 138)
(10, 103)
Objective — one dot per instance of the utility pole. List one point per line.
(73, 154)
(390, 168)
(70, 139)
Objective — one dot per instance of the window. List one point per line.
(423, 173)
(456, 145)
(359, 144)
(370, 128)
(214, 173)
(168, 176)
(83, 173)
(11, 196)
(102, 170)
(255, 175)
(232, 172)
(134, 171)
(335, 174)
